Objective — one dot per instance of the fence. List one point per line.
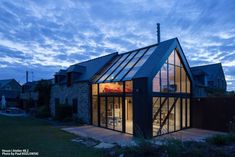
(212, 113)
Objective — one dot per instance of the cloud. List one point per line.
(43, 34)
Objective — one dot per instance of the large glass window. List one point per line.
(116, 87)
(183, 81)
(102, 112)
(129, 115)
(156, 83)
(177, 115)
(164, 85)
(95, 110)
(128, 86)
(172, 86)
(188, 112)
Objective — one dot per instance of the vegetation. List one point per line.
(64, 112)
(38, 136)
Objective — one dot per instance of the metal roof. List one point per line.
(144, 62)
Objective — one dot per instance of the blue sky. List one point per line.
(45, 36)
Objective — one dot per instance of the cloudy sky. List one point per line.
(44, 36)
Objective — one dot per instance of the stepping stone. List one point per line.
(104, 145)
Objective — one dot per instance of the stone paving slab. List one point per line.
(113, 137)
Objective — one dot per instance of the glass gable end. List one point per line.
(126, 66)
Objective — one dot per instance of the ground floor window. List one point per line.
(170, 114)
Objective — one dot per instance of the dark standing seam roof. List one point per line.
(144, 62)
(4, 82)
(212, 71)
(93, 66)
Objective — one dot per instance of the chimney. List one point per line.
(27, 76)
(158, 33)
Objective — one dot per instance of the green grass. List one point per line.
(38, 136)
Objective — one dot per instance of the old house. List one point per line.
(146, 90)
(11, 90)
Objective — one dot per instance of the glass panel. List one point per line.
(96, 77)
(156, 83)
(188, 86)
(177, 59)
(177, 115)
(94, 89)
(116, 87)
(129, 115)
(172, 86)
(102, 112)
(183, 81)
(188, 113)
(171, 58)
(164, 112)
(110, 114)
(121, 66)
(112, 68)
(140, 63)
(172, 115)
(164, 87)
(177, 78)
(118, 113)
(156, 122)
(95, 110)
(128, 86)
(183, 113)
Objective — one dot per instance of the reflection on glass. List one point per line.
(129, 115)
(128, 86)
(177, 59)
(183, 80)
(177, 115)
(183, 113)
(164, 86)
(102, 112)
(156, 83)
(171, 58)
(164, 112)
(188, 86)
(156, 122)
(172, 86)
(172, 115)
(188, 112)
(177, 78)
(110, 120)
(118, 113)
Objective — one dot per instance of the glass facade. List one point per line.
(171, 101)
(112, 106)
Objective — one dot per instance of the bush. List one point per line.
(42, 112)
(220, 140)
(63, 112)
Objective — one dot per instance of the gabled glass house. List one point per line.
(144, 92)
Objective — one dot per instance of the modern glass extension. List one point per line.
(171, 97)
(112, 101)
(127, 99)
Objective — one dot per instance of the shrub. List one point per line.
(42, 112)
(220, 140)
(63, 112)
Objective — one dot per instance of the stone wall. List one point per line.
(79, 91)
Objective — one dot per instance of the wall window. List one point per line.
(95, 110)
(116, 87)
(172, 77)
(75, 105)
(94, 89)
(128, 86)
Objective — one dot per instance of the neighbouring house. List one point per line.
(11, 90)
(209, 80)
(30, 95)
(144, 92)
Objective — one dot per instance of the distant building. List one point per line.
(11, 89)
(29, 96)
(209, 80)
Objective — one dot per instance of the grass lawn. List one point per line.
(38, 136)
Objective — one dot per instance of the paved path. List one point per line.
(109, 136)
(101, 134)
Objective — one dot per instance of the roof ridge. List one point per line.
(206, 65)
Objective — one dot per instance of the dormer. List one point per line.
(73, 73)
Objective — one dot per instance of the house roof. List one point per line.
(5, 82)
(213, 71)
(143, 62)
(88, 69)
